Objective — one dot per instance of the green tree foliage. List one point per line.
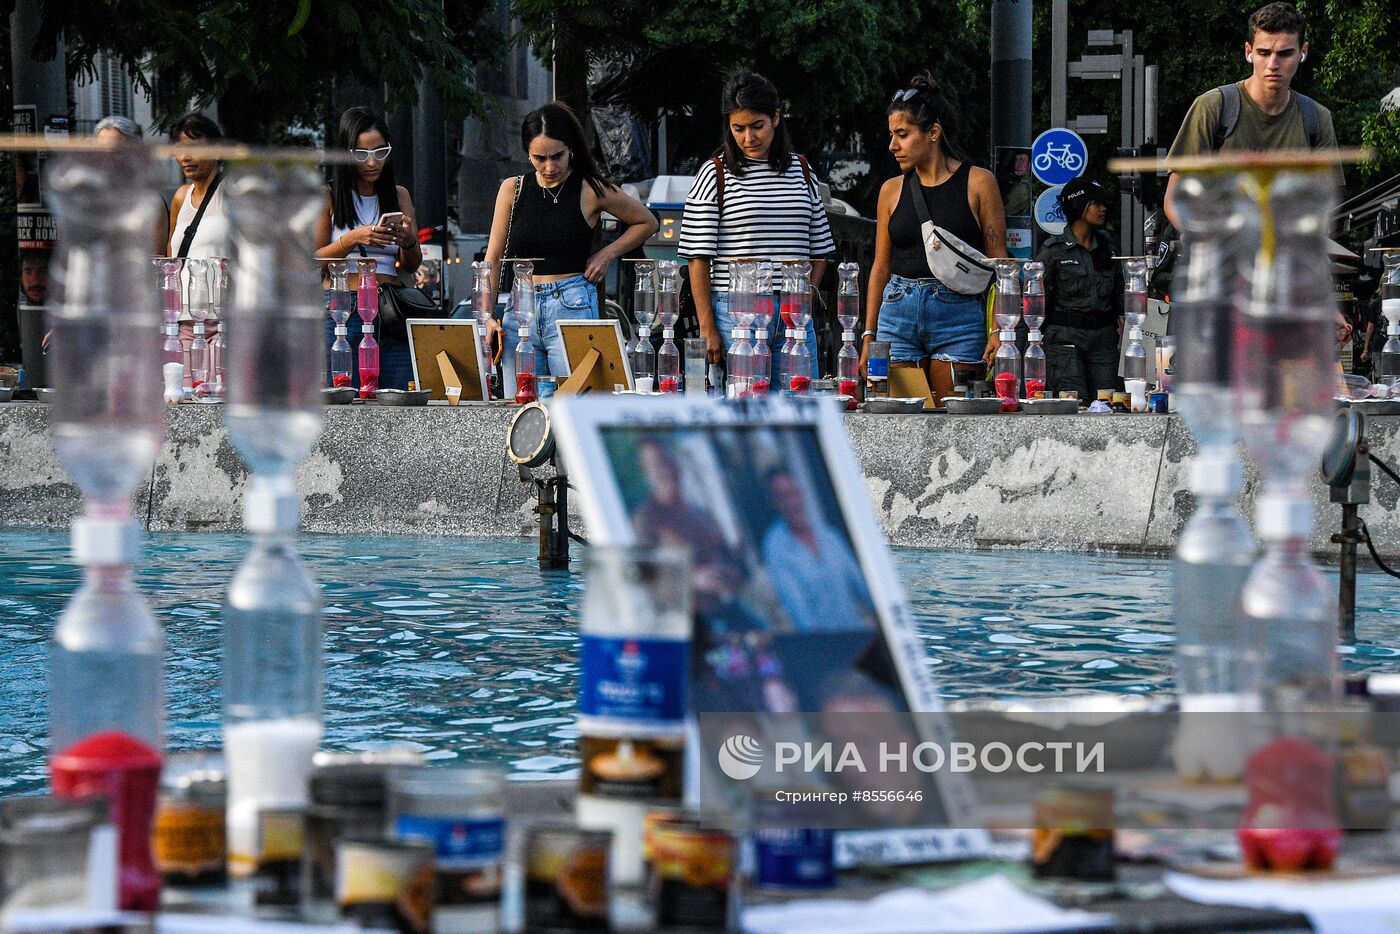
(271, 64)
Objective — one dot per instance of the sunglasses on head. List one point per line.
(908, 94)
(378, 155)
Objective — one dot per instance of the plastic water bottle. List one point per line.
(367, 301)
(1135, 370)
(106, 693)
(762, 320)
(1388, 366)
(339, 309)
(218, 346)
(1033, 364)
(739, 365)
(523, 305)
(1006, 365)
(272, 620)
(200, 304)
(484, 309)
(797, 313)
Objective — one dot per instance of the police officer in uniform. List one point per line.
(1083, 296)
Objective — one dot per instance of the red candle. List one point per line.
(800, 384)
(670, 384)
(847, 387)
(760, 387)
(1006, 391)
(1034, 388)
(341, 379)
(126, 772)
(788, 310)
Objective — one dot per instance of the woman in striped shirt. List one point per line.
(756, 200)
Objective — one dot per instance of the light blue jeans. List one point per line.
(566, 300)
(777, 334)
(923, 319)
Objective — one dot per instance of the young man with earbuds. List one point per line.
(1262, 112)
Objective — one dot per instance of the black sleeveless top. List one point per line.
(557, 232)
(947, 207)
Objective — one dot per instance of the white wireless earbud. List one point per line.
(1249, 58)
(1303, 57)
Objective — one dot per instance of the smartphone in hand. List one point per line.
(390, 221)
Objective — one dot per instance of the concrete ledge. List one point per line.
(1074, 482)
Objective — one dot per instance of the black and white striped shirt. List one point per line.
(767, 215)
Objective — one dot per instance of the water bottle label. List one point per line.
(633, 679)
(467, 843)
(878, 367)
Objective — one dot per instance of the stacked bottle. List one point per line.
(1285, 356)
(1006, 365)
(640, 353)
(1135, 316)
(1217, 664)
(483, 310)
(1033, 311)
(172, 304)
(847, 314)
(272, 622)
(523, 304)
(201, 301)
(797, 313)
(106, 693)
(762, 320)
(367, 305)
(739, 361)
(338, 306)
(668, 311)
(218, 347)
(1388, 366)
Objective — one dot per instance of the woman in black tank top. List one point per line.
(927, 324)
(550, 214)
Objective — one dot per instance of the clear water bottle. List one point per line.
(797, 312)
(106, 693)
(484, 309)
(201, 302)
(1006, 371)
(762, 321)
(1033, 295)
(218, 347)
(1388, 365)
(1285, 375)
(339, 307)
(739, 365)
(523, 305)
(1135, 291)
(367, 305)
(1033, 366)
(272, 620)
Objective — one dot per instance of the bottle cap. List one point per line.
(1007, 334)
(1216, 474)
(1134, 333)
(739, 334)
(1392, 329)
(341, 330)
(1278, 516)
(1033, 335)
(848, 335)
(643, 330)
(270, 510)
(98, 542)
(668, 333)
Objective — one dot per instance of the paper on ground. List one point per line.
(1365, 906)
(987, 906)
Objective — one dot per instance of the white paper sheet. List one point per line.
(1366, 906)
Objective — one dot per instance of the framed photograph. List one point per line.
(798, 611)
(459, 338)
(602, 372)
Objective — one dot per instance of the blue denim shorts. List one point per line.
(923, 319)
(777, 335)
(566, 300)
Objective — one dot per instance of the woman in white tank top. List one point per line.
(211, 236)
(359, 196)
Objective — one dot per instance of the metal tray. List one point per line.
(1376, 406)
(960, 405)
(403, 396)
(1050, 406)
(6, 392)
(894, 406)
(45, 393)
(341, 395)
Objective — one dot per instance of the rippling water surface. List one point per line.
(465, 650)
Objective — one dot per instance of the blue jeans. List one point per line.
(777, 333)
(923, 319)
(566, 300)
(395, 361)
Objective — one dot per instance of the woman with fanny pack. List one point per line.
(360, 195)
(755, 199)
(550, 215)
(937, 225)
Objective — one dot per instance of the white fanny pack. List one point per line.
(958, 266)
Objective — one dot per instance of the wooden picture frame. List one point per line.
(596, 355)
(459, 339)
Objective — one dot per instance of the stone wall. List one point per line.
(1068, 482)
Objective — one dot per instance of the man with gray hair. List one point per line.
(116, 129)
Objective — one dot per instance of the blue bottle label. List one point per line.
(633, 679)
(877, 367)
(795, 859)
(469, 843)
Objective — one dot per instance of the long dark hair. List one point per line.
(749, 90)
(557, 120)
(927, 106)
(353, 122)
(193, 125)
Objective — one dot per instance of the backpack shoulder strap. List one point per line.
(806, 168)
(718, 163)
(1229, 113)
(1311, 120)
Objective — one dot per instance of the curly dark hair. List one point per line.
(1278, 18)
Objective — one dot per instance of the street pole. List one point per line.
(429, 161)
(1011, 73)
(1059, 62)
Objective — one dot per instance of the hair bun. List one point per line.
(924, 82)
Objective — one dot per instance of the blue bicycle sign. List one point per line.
(1049, 216)
(1058, 155)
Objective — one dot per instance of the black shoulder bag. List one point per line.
(188, 238)
(398, 303)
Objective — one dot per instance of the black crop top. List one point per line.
(947, 207)
(557, 232)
